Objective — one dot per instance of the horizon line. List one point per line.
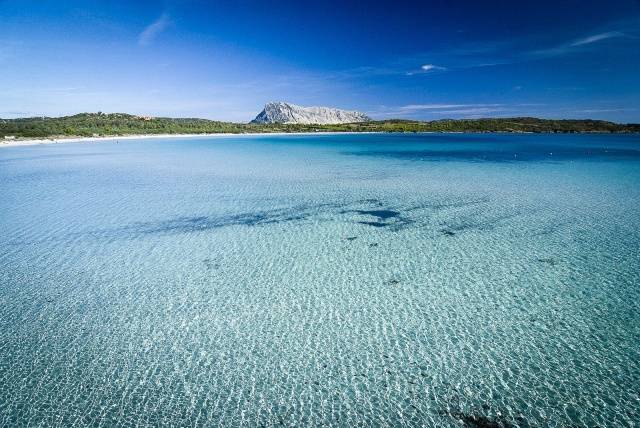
(151, 117)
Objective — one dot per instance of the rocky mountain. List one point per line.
(290, 113)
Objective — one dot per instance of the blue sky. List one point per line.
(225, 59)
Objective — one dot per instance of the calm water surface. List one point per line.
(351, 280)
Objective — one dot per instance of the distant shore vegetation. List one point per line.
(120, 124)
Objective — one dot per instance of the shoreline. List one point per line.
(64, 140)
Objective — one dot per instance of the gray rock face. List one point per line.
(290, 113)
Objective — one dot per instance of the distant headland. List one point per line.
(284, 118)
(287, 113)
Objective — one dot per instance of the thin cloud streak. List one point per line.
(152, 31)
(597, 38)
(604, 110)
(415, 107)
(436, 111)
(469, 111)
(420, 110)
(491, 53)
(427, 68)
(430, 67)
(575, 45)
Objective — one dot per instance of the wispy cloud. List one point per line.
(154, 29)
(575, 45)
(503, 53)
(438, 110)
(604, 110)
(457, 110)
(64, 89)
(17, 114)
(426, 68)
(464, 110)
(431, 67)
(490, 53)
(400, 67)
(416, 107)
(470, 112)
(597, 38)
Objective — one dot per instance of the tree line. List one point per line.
(120, 124)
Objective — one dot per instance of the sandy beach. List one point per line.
(35, 141)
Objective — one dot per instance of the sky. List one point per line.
(224, 60)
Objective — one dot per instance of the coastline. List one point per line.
(63, 140)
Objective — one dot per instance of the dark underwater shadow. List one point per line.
(508, 154)
(53, 156)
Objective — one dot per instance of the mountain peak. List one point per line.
(282, 112)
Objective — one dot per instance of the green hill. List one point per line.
(100, 124)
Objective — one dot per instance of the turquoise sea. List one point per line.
(322, 280)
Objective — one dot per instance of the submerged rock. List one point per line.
(381, 214)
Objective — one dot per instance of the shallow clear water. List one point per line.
(351, 280)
